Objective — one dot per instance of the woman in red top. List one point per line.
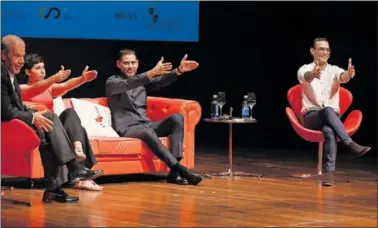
(41, 90)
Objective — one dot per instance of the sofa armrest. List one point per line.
(159, 108)
(17, 137)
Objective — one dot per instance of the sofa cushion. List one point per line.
(58, 105)
(96, 119)
(106, 146)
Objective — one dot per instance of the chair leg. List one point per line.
(320, 158)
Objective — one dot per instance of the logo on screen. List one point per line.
(152, 12)
(126, 15)
(53, 13)
(161, 22)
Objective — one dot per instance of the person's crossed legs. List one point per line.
(56, 151)
(328, 121)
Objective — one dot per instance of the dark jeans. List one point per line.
(328, 121)
(150, 133)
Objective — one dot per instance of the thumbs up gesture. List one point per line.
(187, 65)
(88, 75)
(162, 68)
(62, 74)
(351, 70)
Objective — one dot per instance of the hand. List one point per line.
(42, 122)
(62, 74)
(351, 70)
(88, 75)
(162, 68)
(187, 65)
(316, 72)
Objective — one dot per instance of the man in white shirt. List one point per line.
(320, 82)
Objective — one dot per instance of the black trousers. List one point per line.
(66, 130)
(172, 126)
(328, 121)
(76, 132)
(56, 151)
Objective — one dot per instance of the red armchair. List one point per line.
(351, 123)
(18, 140)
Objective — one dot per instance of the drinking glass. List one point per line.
(251, 101)
(221, 101)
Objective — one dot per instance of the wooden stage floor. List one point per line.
(277, 199)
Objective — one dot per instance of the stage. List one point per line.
(276, 199)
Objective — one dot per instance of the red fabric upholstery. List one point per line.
(294, 96)
(18, 141)
(114, 155)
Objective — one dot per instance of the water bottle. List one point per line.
(245, 108)
(215, 108)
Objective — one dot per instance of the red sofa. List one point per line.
(20, 155)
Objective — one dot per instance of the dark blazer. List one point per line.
(127, 98)
(11, 103)
(60, 150)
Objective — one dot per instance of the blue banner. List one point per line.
(149, 21)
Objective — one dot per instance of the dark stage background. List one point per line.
(246, 47)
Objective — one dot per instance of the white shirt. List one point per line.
(11, 76)
(325, 90)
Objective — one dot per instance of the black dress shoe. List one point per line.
(175, 178)
(193, 178)
(328, 178)
(84, 174)
(58, 195)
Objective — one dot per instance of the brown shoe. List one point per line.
(328, 178)
(357, 150)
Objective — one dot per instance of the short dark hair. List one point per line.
(126, 51)
(31, 60)
(318, 39)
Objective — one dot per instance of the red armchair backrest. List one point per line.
(294, 96)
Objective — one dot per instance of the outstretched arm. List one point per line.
(170, 77)
(345, 76)
(118, 85)
(30, 91)
(305, 77)
(59, 89)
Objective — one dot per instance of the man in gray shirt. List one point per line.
(127, 100)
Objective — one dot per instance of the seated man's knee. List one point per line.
(69, 111)
(50, 115)
(147, 135)
(328, 111)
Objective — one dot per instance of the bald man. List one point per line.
(55, 148)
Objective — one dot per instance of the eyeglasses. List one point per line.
(325, 49)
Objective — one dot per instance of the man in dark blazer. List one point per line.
(55, 148)
(127, 99)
